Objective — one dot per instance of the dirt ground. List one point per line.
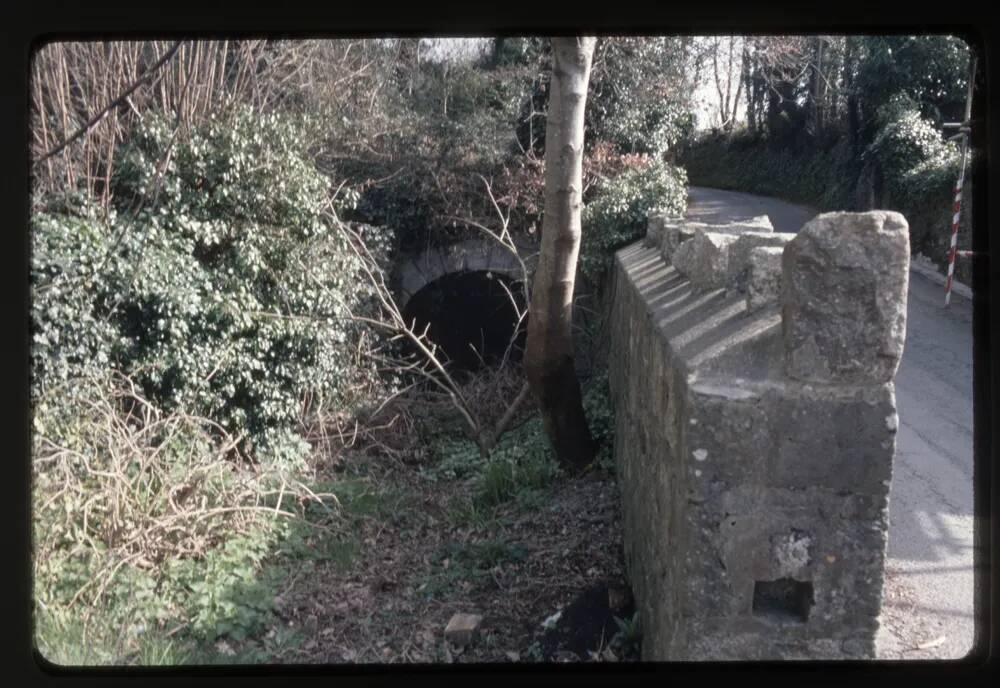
(547, 580)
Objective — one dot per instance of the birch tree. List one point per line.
(548, 359)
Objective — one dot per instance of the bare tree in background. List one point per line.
(548, 359)
(727, 49)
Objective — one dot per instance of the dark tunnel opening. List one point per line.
(470, 317)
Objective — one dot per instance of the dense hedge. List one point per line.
(824, 177)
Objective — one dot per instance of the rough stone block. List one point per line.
(704, 258)
(682, 258)
(763, 281)
(674, 232)
(760, 223)
(461, 629)
(844, 297)
(739, 254)
(654, 229)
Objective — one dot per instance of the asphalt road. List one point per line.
(927, 607)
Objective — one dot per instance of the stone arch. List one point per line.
(413, 272)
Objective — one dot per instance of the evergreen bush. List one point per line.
(219, 281)
(616, 215)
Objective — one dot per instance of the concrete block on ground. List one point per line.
(462, 628)
(763, 282)
(844, 285)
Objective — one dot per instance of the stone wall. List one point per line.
(751, 375)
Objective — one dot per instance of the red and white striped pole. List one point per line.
(964, 128)
(957, 210)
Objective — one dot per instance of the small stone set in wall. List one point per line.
(744, 255)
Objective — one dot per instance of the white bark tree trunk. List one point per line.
(548, 357)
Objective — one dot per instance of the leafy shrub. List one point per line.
(227, 595)
(521, 50)
(522, 460)
(171, 336)
(69, 335)
(930, 70)
(220, 283)
(601, 418)
(456, 459)
(616, 215)
(630, 101)
(523, 464)
(649, 129)
(913, 158)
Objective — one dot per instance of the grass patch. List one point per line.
(355, 497)
(518, 468)
(304, 543)
(466, 512)
(469, 563)
(522, 465)
(72, 639)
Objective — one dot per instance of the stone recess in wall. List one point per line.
(755, 504)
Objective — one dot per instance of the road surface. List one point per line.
(927, 601)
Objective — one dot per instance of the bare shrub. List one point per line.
(118, 483)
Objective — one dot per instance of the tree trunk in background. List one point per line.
(548, 358)
(817, 85)
(739, 84)
(836, 69)
(853, 115)
(497, 50)
(748, 87)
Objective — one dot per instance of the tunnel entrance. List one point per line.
(470, 317)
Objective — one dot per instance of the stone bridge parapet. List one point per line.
(752, 378)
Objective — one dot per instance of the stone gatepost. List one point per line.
(755, 433)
